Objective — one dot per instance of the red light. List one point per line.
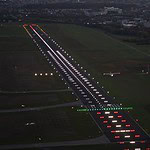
(117, 137)
(137, 120)
(142, 141)
(105, 121)
(102, 117)
(108, 126)
(132, 130)
(34, 25)
(147, 148)
(123, 120)
(119, 116)
(128, 125)
(98, 113)
(115, 112)
(113, 131)
(137, 136)
(121, 142)
(25, 25)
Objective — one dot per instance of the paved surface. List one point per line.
(77, 103)
(118, 126)
(34, 92)
(99, 140)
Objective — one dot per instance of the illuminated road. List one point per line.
(115, 123)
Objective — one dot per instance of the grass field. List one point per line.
(20, 60)
(100, 53)
(51, 125)
(144, 48)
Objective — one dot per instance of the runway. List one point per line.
(114, 122)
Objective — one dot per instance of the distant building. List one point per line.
(128, 23)
(112, 10)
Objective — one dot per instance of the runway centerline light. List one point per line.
(113, 121)
(127, 136)
(118, 126)
(107, 112)
(110, 116)
(132, 142)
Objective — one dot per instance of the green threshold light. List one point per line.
(103, 109)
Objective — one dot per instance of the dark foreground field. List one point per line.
(52, 125)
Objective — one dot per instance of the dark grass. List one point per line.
(143, 48)
(50, 125)
(16, 36)
(20, 59)
(17, 72)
